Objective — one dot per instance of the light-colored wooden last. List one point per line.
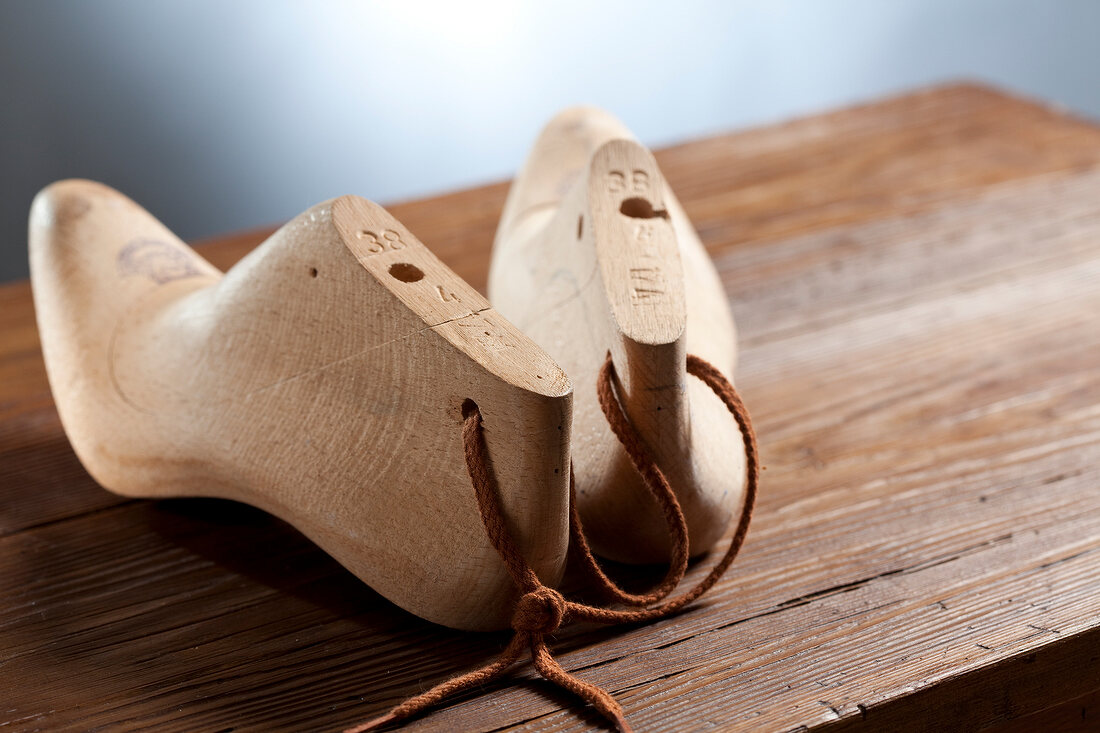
(594, 255)
(322, 379)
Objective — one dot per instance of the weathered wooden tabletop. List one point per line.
(917, 285)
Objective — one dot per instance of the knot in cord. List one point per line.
(540, 611)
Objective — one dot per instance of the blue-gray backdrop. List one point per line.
(219, 115)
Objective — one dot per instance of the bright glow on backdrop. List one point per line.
(223, 115)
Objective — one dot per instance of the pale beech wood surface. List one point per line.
(916, 283)
(324, 379)
(595, 256)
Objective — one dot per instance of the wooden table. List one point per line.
(917, 284)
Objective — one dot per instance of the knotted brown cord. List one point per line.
(542, 610)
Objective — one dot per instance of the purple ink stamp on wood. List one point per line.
(160, 261)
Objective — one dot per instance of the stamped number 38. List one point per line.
(389, 240)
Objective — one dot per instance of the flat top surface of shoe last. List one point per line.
(594, 255)
(323, 379)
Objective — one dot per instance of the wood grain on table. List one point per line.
(917, 287)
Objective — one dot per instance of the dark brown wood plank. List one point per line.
(1080, 715)
(916, 282)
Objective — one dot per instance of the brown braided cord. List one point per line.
(654, 480)
(541, 610)
(709, 375)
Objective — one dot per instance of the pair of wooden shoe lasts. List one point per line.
(324, 378)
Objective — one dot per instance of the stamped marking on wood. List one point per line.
(446, 295)
(160, 261)
(638, 181)
(646, 283)
(388, 241)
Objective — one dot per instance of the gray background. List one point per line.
(224, 115)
